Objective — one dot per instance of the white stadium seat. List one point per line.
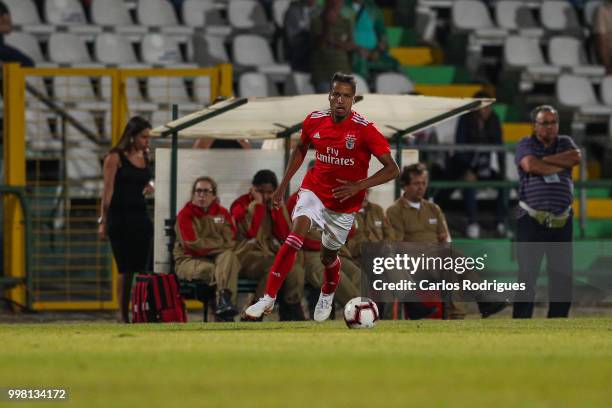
(567, 52)
(298, 83)
(77, 91)
(170, 90)
(254, 51)
(362, 84)
(27, 43)
(114, 49)
(393, 83)
(524, 53)
(69, 13)
(472, 16)
(204, 14)
(606, 90)
(209, 50)
(24, 16)
(516, 16)
(160, 49)
(249, 16)
(160, 14)
(254, 84)
(560, 16)
(69, 49)
(115, 14)
(577, 92)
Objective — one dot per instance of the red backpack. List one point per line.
(156, 298)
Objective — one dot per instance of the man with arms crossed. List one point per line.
(332, 192)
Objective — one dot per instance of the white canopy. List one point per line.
(264, 118)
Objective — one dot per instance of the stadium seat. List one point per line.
(160, 14)
(24, 16)
(472, 16)
(279, 8)
(69, 13)
(201, 90)
(159, 49)
(27, 43)
(115, 15)
(393, 83)
(298, 83)
(362, 84)
(446, 131)
(115, 50)
(560, 16)
(77, 91)
(590, 11)
(516, 16)
(249, 16)
(69, 49)
(255, 84)
(606, 90)
(253, 51)
(204, 14)
(567, 52)
(83, 164)
(524, 53)
(209, 50)
(38, 134)
(170, 90)
(576, 92)
(136, 101)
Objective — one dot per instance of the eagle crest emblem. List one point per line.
(350, 141)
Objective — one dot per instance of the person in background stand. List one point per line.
(8, 53)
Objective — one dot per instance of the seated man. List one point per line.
(8, 53)
(415, 219)
(480, 127)
(205, 238)
(371, 225)
(261, 230)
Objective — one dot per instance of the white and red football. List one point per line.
(360, 313)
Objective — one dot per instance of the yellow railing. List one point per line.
(69, 280)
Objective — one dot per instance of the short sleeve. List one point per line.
(566, 143)
(523, 149)
(376, 142)
(306, 130)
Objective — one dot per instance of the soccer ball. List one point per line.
(360, 313)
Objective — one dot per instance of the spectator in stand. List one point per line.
(332, 43)
(370, 36)
(481, 127)
(261, 230)
(8, 53)
(603, 34)
(205, 238)
(296, 26)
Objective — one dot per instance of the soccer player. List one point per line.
(332, 192)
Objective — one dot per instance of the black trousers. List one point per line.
(535, 242)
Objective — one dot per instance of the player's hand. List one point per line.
(277, 197)
(257, 196)
(346, 190)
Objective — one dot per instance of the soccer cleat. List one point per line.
(264, 306)
(324, 307)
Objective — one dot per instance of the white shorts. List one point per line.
(335, 226)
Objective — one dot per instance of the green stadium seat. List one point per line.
(431, 74)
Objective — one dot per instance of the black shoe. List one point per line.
(418, 311)
(490, 308)
(224, 309)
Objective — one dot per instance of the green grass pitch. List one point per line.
(490, 363)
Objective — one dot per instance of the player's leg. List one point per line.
(283, 262)
(337, 227)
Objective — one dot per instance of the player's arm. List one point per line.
(566, 159)
(539, 167)
(388, 172)
(295, 161)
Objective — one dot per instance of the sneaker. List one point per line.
(264, 306)
(324, 307)
(473, 231)
(224, 309)
(490, 308)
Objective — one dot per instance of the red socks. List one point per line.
(332, 277)
(283, 262)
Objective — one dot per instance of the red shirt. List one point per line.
(343, 151)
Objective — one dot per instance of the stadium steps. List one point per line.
(453, 91)
(401, 37)
(513, 132)
(431, 74)
(597, 208)
(417, 55)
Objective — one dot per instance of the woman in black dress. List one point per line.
(124, 216)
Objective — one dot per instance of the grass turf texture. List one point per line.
(493, 363)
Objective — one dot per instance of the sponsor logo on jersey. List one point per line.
(316, 136)
(350, 141)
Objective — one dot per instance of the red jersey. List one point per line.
(343, 151)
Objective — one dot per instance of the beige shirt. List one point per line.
(416, 225)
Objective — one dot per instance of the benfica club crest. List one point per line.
(350, 141)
